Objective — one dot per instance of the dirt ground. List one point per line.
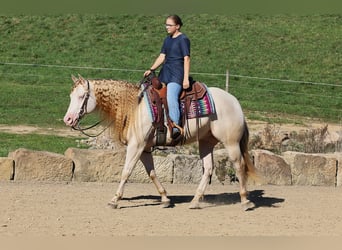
(80, 209)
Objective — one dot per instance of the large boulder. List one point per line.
(163, 168)
(41, 166)
(6, 169)
(105, 165)
(272, 168)
(224, 171)
(311, 169)
(339, 174)
(188, 169)
(339, 170)
(337, 156)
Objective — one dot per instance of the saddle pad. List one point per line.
(152, 108)
(201, 107)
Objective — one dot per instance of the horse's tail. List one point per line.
(249, 167)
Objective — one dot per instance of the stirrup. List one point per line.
(177, 135)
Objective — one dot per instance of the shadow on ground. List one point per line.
(209, 200)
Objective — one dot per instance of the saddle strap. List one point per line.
(156, 101)
(197, 92)
(158, 97)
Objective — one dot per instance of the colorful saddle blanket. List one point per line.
(198, 106)
(193, 104)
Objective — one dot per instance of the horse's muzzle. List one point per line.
(70, 120)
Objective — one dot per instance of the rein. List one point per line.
(78, 128)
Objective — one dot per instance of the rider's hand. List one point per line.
(186, 84)
(147, 72)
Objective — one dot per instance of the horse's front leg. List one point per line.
(132, 156)
(147, 159)
(206, 154)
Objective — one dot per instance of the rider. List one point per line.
(175, 57)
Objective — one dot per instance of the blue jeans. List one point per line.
(173, 91)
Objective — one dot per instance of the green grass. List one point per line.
(32, 104)
(302, 48)
(11, 142)
(285, 46)
(296, 47)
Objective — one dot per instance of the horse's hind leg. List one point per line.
(206, 148)
(147, 159)
(235, 156)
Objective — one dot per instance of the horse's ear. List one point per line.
(74, 79)
(80, 77)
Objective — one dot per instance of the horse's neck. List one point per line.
(117, 100)
(111, 94)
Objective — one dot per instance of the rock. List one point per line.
(339, 174)
(311, 169)
(338, 157)
(41, 166)
(187, 169)
(272, 168)
(339, 170)
(224, 169)
(163, 168)
(6, 169)
(105, 165)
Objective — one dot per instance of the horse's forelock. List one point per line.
(76, 84)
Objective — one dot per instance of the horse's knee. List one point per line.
(239, 169)
(152, 174)
(125, 175)
(208, 171)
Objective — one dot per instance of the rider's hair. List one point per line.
(176, 19)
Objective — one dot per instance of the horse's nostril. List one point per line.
(68, 120)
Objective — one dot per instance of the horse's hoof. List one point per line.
(194, 205)
(247, 205)
(113, 205)
(166, 204)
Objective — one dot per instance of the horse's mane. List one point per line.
(117, 101)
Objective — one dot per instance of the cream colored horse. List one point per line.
(118, 101)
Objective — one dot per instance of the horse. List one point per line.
(119, 102)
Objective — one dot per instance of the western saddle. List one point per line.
(157, 94)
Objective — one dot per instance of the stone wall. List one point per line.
(103, 165)
(295, 168)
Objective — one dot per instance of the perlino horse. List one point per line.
(131, 123)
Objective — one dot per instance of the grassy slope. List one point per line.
(11, 142)
(290, 47)
(304, 48)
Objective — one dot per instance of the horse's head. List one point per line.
(82, 101)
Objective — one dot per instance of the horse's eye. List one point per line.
(81, 97)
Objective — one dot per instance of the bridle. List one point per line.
(81, 114)
(84, 105)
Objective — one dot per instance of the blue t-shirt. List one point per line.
(175, 50)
